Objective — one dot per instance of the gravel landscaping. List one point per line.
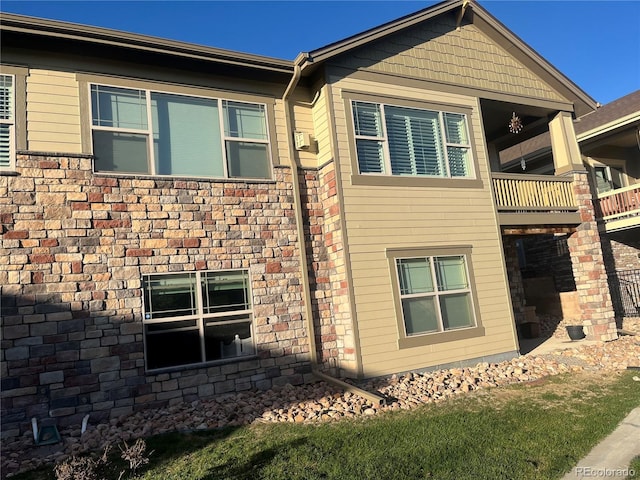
(320, 402)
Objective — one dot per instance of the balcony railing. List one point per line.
(619, 202)
(534, 199)
(533, 192)
(619, 208)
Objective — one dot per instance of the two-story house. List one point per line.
(179, 221)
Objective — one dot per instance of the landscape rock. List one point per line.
(322, 402)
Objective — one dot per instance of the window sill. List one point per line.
(398, 181)
(435, 338)
(196, 366)
(8, 173)
(178, 178)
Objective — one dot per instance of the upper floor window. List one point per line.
(149, 132)
(608, 178)
(393, 140)
(197, 317)
(7, 122)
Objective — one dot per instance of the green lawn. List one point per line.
(635, 468)
(534, 431)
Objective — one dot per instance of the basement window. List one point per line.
(196, 318)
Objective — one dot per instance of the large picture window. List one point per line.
(197, 317)
(402, 141)
(7, 122)
(148, 132)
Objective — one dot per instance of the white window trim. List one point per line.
(220, 100)
(12, 127)
(443, 134)
(200, 317)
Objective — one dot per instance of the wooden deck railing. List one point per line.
(534, 193)
(621, 202)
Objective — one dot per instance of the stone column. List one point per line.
(585, 249)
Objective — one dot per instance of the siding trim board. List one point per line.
(343, 227)
(20, 75)
(413, 82)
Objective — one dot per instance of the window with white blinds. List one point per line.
(393, 140)
(7, 122)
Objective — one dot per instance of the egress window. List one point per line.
(197, 317)
(402, 141)
(7, 122)
(148, 132)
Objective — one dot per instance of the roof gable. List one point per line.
(455, 41)
(439, 52)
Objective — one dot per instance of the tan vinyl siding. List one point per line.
(438, 52)
(282, 147)
(380, 218)
(53, 112)
(303, 122)
(438, 354)
(322, 129)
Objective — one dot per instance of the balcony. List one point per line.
(534, 200)
(619, 209)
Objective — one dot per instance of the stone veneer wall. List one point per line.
(516, 287)
(589, 269)
(621, 255)
(339, 321)
(319, 268)
(622, 259)
(74, 246)
(548, 256)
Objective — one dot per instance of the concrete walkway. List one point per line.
(542, 346)
(611, 457)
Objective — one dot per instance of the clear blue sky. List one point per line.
(595, 43)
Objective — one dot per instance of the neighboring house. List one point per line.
(609, 141)
(181, 221)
